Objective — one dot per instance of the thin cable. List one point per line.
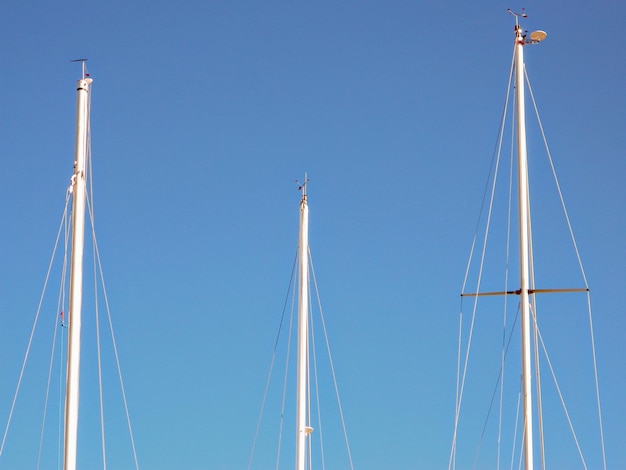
(452, 461)
(284, 397)
(317, 389)
(32, 332)
(98, 351)
(60, 420)
(595, 374)
(521, 450)
(496, 160)
(506, 283)
(54, 337)
(558, 389)
(533, 304)
(533, 309)
(519, 396)
(271, 368)
(558, 186)
(90, 209)
(49, 381)
(114, 343)
(62, 357)
(582, 271)
(495, 390)
(332, 367)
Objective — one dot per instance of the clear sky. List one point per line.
(203, 115)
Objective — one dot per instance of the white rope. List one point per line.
(32, 332)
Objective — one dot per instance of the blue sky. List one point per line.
(204, 114)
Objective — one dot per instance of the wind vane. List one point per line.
(302, 186)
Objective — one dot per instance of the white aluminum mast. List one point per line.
(524, 235)
(76, 271)
(522, 181)
(303, 429)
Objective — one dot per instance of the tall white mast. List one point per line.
(524, 234)
(522, 181)
(303, 429)
(76, 272)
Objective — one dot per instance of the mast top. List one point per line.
(535, 37)
(302, 186)
(517, 15)
(84, 67)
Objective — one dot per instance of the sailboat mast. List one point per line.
(303, 430)
(524, 228)
(76, 272)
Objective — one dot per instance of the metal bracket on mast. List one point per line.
(84, 66)
(302, 186)
(517, 15)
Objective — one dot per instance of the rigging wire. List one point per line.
(271, 368)
(506, 283)
(492, 170)
(317, 394)
(90, 210)
(60, 414)
(515, 428)
(498, 385)
(558, 389)
(532, 300)
(580, 265)
(533, 310)
(284, 397)
(60, 304)
(62, 345)
(332, 367)
(113, 341)
(292, 291)
(317, 389)
(32, 333)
